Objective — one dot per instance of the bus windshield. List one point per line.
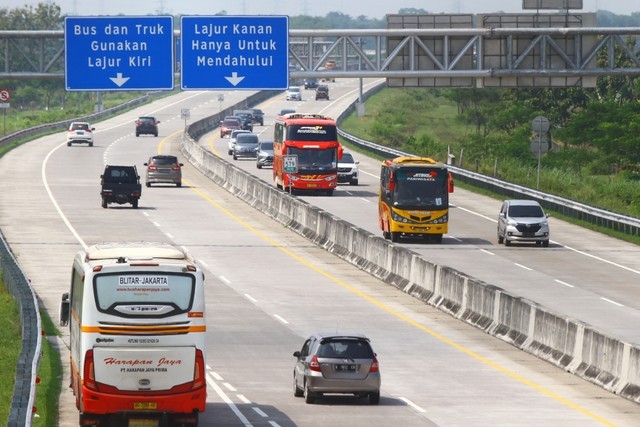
(315, 160)
(417, 188)
(149, 294)
(312, 133)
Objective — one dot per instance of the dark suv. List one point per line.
(147, 125)
(322, 92)
(258, 116)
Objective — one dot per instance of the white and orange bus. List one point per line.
(136, 314)
(313, 139)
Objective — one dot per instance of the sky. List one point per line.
(374, 8)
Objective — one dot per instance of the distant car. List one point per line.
(258, 116)
(329, 65)
(310, 83)
(147, 126)
(246, 116)
(229, 124)
(336, 363)
(80, 132)
(322, 92)
(287, 111)
(348, 169)
(246, 146)
(232, 139)
(523, 221)
(265, 154)
(163, 169)
(294, 94)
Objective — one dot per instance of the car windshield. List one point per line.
(522, 211)
(294, 89)
(345, 348)
(346, 158)
(246, 139)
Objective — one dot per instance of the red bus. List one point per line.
(313, 139)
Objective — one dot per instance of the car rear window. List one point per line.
(147, 119)
(231, 122)
(163, 161)
(80, 126)
(346, 348)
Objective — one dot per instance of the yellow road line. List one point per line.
(391, 311)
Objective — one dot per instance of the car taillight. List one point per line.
(89, 379)
(153, 168)
(176, 168)
(198, 372)
(374, 365)
(314, 365)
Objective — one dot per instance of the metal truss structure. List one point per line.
(409, 57)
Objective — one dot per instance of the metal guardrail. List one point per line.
(24, 390)
(25, 375)
(600, 217)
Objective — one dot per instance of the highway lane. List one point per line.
(267, 288)
(583, 274)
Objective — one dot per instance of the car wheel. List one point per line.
(179, 184)
(500, 239)
(104, 203)
(545, 244)
(68, 144)
(235, 157)
(507, 242)
(155, 134)
(308, 395)
(134, 204)
(258, 165)
(91, 144)
(374, 398)
(148, 184)
(354, 182)
(395, 236)
(297, 391)
(137, 134)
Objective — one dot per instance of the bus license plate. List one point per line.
(145, 405)
(312, 185)
(143, 422)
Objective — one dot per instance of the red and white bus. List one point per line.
(137, 335)
(313, 139)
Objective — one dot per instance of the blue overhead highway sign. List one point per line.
(234, 52)
(118, 53)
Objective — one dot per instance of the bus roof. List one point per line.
(304, 116)
(135, 250)
(413, 161)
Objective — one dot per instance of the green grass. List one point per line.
(10, 337)
(49, 372)
(422, 122)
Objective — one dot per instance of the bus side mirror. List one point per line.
(451, 186)
(64, 309)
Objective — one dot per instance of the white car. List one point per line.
(294, 94)
(80, 132)
(232, 138)
(348, 169)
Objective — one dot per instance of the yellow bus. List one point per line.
(413, 199)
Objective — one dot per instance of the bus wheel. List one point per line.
(395, 236)
(438, 238)
(329, 192)
(386, 235)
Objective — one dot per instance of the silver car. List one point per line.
(523, 221)
(246, 146)
(336, 363)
